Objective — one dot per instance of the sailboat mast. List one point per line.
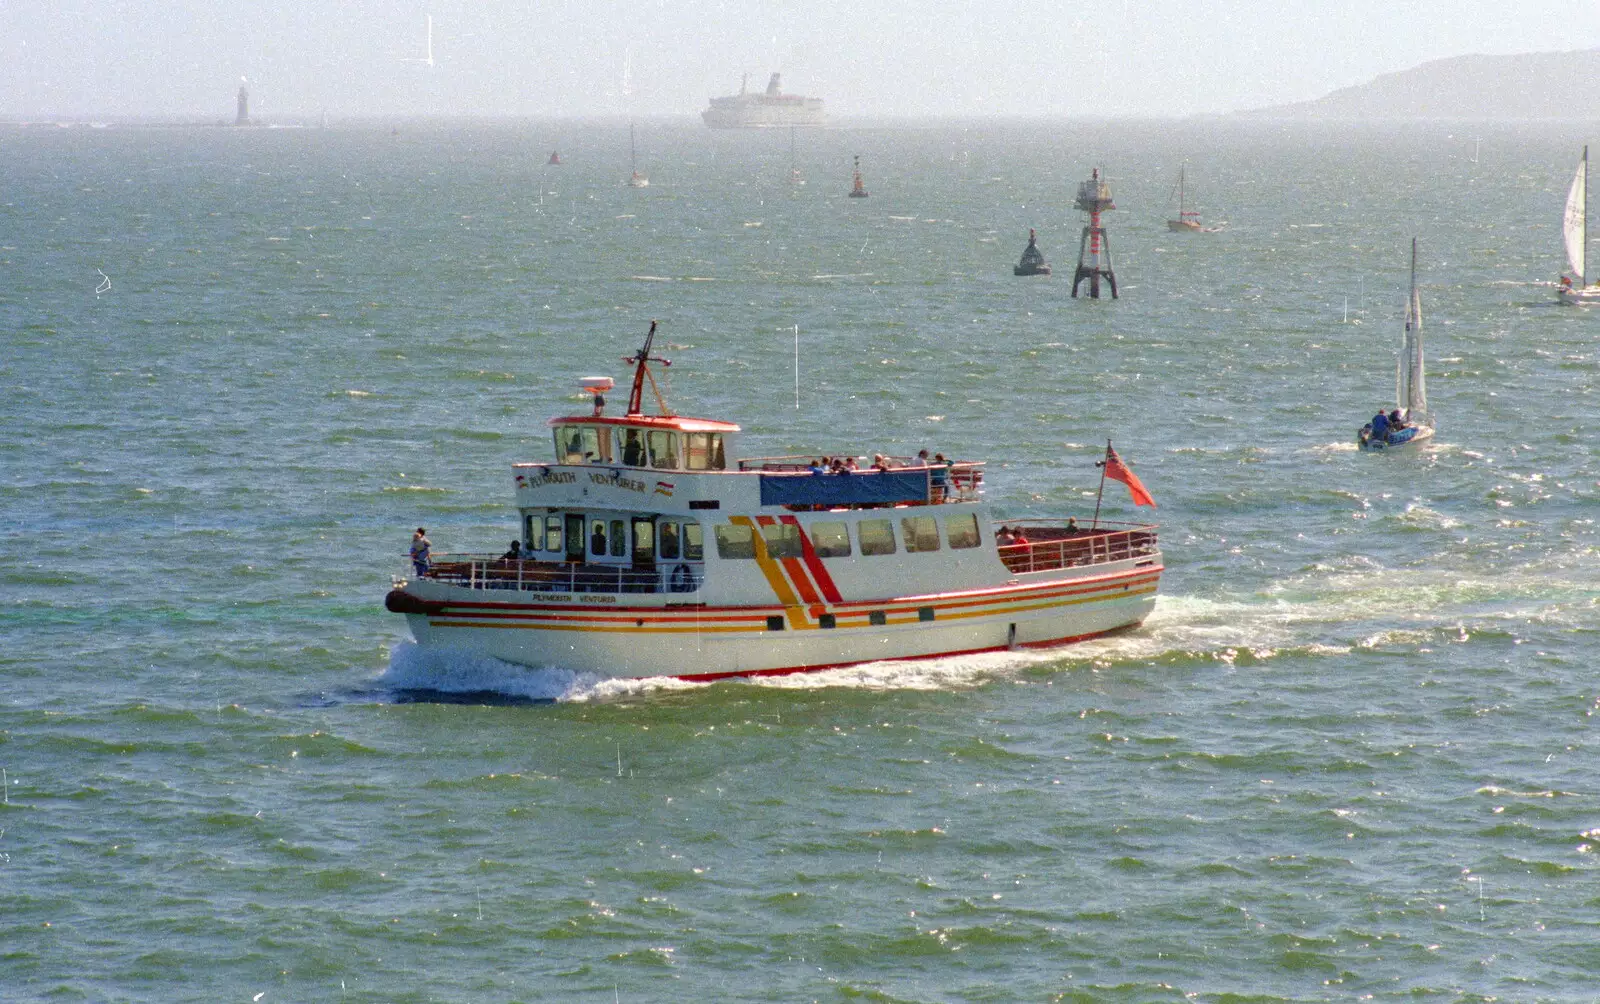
(1583, 231)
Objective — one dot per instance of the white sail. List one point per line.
(1411, 391)
(1573, 223)
(1416, 399)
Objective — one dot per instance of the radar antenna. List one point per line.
(641, 373)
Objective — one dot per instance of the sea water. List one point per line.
(1348, 757)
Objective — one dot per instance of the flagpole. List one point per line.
(1101, 494)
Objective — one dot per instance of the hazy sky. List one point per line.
(112, 59)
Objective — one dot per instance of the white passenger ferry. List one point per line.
(650, 549)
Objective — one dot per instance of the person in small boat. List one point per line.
(1380, 426)
(1566, 284)
(421, 546)
(1396, 422)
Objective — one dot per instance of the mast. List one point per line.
(641, 373)
(1583, 226)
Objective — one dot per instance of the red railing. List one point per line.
(1053, 544)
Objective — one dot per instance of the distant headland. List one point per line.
(1531, 86)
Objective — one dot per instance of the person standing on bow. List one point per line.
(421, 546)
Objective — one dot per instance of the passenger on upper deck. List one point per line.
(922, 458)
(515, 553)
(819, 466)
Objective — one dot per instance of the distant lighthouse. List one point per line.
(243, 118)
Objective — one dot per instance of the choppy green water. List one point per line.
(1348, 756)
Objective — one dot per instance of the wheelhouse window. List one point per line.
(630, 445)
(703, 451)
(582, 444)
(876, 536)
(693, 542)
(664, 449)
(735, 541)
(962, 531)
(921, 533)
(783, 540)
(830, 540)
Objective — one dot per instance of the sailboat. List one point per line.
(1414, 424)
(858, 190)
(1576, 288)
(635, 180)
(1188, 219)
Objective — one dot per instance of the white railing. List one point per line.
(481, 571)
(1056, 544)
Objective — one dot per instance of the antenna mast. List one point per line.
(642, 372)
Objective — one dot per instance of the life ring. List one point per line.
(681, 581)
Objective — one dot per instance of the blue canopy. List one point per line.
(844, 489)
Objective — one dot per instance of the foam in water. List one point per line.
(458, 671)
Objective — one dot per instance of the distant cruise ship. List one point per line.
(756, 111)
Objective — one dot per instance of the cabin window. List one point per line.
(876, 536)
(693, 543)
(569, 445)
(630, 445)
(552, 533)
(962, 531)
(783, 540)
(597, 538)
(697, 451)
(734, 541)
(921, 533)
(644, 541)
(532, 533)
(667, 546)
(573, 532)
(619, 539)
(830, 540)
(664, 450)
(703, 451)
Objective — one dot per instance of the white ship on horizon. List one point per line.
(759, 111)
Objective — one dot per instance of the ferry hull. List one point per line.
(704, 643)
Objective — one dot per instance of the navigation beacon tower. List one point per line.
(1094, 198)
(243, 118)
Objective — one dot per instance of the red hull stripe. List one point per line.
(460, 615)
(710, 625)
(791, 670)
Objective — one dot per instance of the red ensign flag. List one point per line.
(1117, 472)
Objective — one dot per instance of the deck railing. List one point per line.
(1052, 544)
(481, 571)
